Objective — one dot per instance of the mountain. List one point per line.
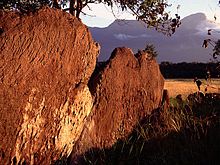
(184, 46)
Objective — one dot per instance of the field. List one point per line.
(187, 86)
(187, 133)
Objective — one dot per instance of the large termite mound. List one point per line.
(47, 110)
(125, 89)
(46, 60)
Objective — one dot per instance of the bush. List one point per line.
(150, 50)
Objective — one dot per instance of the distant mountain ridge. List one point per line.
(184, 46)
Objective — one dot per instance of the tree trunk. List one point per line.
(72, 7)
(79, 8)
(56, 4)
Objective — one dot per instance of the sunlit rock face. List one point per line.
(46, 60)
(126, 89)
(52, 103)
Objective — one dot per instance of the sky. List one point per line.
(100, 15)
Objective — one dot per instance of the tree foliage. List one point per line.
(24, 6)
(150, 49)
(151, 12)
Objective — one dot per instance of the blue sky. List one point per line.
(101, 15)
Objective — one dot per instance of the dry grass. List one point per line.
(188, 132)
(187, 86)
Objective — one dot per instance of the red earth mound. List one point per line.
(46, 61)
(125, 90)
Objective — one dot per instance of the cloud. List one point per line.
(204, 26)
(124, 37)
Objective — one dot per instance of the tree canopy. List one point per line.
(24, 6)
(151, 50)
(151, 12)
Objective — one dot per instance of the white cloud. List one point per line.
(124, 37)
(101, 15)
(204, 26)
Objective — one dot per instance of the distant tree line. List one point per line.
(189, 70)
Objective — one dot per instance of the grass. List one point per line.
(187, 86)
(186, 133)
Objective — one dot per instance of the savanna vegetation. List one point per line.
(186, 87)
(188, 132)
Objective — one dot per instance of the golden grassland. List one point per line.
(187, 86)
(187, 132)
